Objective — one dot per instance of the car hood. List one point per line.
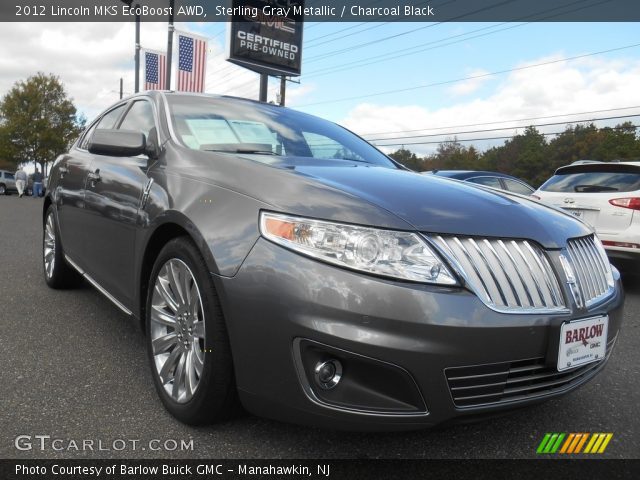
(435, 205)
(382, 197)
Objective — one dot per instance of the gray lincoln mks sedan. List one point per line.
(278, 261)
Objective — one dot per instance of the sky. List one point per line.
(381, 80)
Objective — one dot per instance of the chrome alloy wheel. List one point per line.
(177, 330)
(49, 246)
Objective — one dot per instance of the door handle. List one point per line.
(94, 177)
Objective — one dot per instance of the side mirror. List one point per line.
(117, 143)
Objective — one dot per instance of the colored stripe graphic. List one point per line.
(550, 443)
(543, 443)
(572, 443)
(567, 443)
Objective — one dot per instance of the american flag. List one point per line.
(155, 70)
(192, 60)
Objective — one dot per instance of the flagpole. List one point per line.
(137, 61)
(170, 45)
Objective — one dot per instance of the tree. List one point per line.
(408, 159)
(452, 155)
(37, 121)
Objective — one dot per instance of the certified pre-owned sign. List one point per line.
(266, 35)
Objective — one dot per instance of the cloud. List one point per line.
(469, 86)
(299, 92)
(557, 89)
(90, 59)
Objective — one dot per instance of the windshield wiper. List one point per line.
(353, 160)
(242, 150)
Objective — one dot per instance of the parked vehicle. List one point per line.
(605, 196)
(7, 183)
(498, 180)
(276, 258)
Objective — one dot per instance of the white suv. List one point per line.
(605, 195)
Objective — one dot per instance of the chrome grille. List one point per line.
(591, 268)
(496, 383)
(507, 275)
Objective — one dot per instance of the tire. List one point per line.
(187, 341)
(3, 190)
(57, 272)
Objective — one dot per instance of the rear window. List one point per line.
(593, 182)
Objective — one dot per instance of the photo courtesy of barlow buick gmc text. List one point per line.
(319, 239)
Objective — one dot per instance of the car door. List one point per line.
(113, 195)
(73, 170)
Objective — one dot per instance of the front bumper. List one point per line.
(280, 301)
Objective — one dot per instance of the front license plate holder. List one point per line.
(582, 341)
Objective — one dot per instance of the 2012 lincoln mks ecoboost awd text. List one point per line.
(280, 261)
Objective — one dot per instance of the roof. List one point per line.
(612, 167)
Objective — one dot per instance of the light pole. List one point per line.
(137, 47)
(169, 45)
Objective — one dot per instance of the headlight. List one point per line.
(401, 255)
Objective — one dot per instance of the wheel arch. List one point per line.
(47, 203)
(174, 225)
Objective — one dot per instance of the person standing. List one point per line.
(21, 181)
(37, 183)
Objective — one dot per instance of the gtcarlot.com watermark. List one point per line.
(48, 443)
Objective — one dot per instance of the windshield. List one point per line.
(593, 182)
(238, 126)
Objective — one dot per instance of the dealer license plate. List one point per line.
(582, 342)
(587, 216)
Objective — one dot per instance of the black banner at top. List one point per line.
(326, 10)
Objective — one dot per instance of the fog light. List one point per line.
(328, 373)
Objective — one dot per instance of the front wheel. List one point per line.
(187, 340)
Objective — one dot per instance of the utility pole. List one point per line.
(264, 84)
(170, 45)
(120, 88)
(137, 48)
(283, 89)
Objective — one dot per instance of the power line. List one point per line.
(312, 40)
(371, 27)
(416, 49)
(504, 121)
(504, 128)
(394, 55)
(472, 77)
(389, 37)
(485, 138)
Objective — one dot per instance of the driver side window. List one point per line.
(108, 120)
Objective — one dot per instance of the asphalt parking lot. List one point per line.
(73, 367)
